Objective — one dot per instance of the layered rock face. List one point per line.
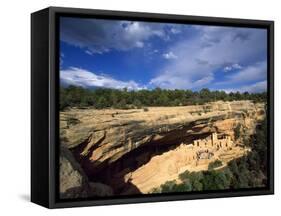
(73, 181)
(111, 146)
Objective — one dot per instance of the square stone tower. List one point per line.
(214, 138)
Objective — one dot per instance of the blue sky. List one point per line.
(145, 55)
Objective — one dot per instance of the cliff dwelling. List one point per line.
(135, 151)
(156, 162)
(192, 157)
(149, 166)
(223, 141)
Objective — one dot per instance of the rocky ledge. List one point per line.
(108, 144)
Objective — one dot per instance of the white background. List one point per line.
(15, 107)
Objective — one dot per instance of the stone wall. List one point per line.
(213, 141)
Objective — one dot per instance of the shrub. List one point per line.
(169, 186)
(237, 131)
(185, 175)
(214, 164)
(145, 109)
(72, 121)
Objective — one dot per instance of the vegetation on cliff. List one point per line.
(100, 98)
(215, 164)
(249, 171)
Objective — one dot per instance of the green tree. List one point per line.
(214, 164)
(137, 103)
(101, 103)
(237, 131)
(75, 96)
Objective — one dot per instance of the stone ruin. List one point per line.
(213, 141)
(203, 150)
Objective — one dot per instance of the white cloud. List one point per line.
(100, 36)
(170, 55)
(207, 53)
(253, 88)
(235, 66)
(84, 78)
(175, 30)
(227, 68)
(89, 52)
(250, 73)
(257, 87)
(167, 82)
(139, 44)
(203, 81)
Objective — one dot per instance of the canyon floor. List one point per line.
(133, 151)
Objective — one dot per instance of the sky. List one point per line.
(145, 55)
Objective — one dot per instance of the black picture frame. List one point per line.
(45, 96)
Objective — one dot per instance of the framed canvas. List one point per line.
(139, 107)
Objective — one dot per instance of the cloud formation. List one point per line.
(232, 67)
(84, 78)
(169, 55)
(253, 88)
(212, 51)
(250, 73)
(101, 36)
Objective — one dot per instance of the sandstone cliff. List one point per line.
(73, 181)
(112, 145)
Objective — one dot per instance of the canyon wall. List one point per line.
(111, 145)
